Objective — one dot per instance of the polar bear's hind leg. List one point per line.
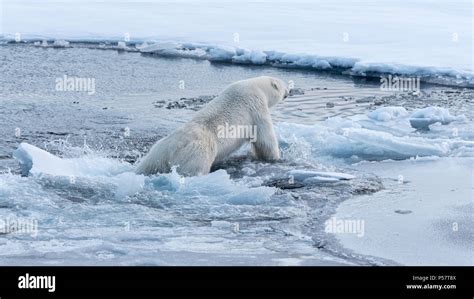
(195, 159)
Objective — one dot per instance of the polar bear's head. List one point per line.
(274, 89)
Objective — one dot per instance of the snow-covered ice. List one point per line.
(423, 217)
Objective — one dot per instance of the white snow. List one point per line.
(420, 38)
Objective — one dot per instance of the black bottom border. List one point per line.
(292, 282)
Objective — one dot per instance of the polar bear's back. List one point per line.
(238, 104)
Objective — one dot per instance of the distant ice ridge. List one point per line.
(348, 65)
(383, 134)
(232, 54)
(353, 66)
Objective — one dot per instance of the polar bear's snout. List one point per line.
(280, 90)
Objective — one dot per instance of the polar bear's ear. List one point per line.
(275, 85)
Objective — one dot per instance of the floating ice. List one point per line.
(217, 186)
(120, 177)
(253, 196)
(368, 138)
(423, 118)
(388, 113)
(34, 160)
(304, 175)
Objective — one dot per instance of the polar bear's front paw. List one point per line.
(266, 152)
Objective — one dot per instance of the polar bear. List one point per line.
(240, 114)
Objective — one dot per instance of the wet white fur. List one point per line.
(195, 147)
